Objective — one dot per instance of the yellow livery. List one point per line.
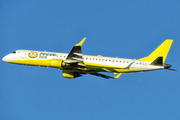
(75, 64)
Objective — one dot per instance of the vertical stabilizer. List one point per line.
(161, 51)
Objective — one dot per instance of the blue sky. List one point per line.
(122, 28)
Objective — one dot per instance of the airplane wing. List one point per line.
(75, 58)
(75, 55)
(105, 76)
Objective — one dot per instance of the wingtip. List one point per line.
(116, 77)
(82, 41)
(169, 40)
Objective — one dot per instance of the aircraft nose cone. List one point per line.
(4, 59)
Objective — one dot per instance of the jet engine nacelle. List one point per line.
(57, 63)
(70, 74)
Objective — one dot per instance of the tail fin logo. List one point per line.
(33, 54)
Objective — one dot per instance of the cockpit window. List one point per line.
(14, 52)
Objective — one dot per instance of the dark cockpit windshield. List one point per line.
(14, 52)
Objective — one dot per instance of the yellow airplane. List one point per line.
(76, 64)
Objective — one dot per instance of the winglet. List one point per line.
(82, 41)
(116, 77)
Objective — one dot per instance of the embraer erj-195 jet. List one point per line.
(76, 64)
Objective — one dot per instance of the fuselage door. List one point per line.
(23, 54)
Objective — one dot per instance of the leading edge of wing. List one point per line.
(75, 55)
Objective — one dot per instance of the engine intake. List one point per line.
(57, 63)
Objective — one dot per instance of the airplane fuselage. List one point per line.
(93, 63)
(75, 64)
